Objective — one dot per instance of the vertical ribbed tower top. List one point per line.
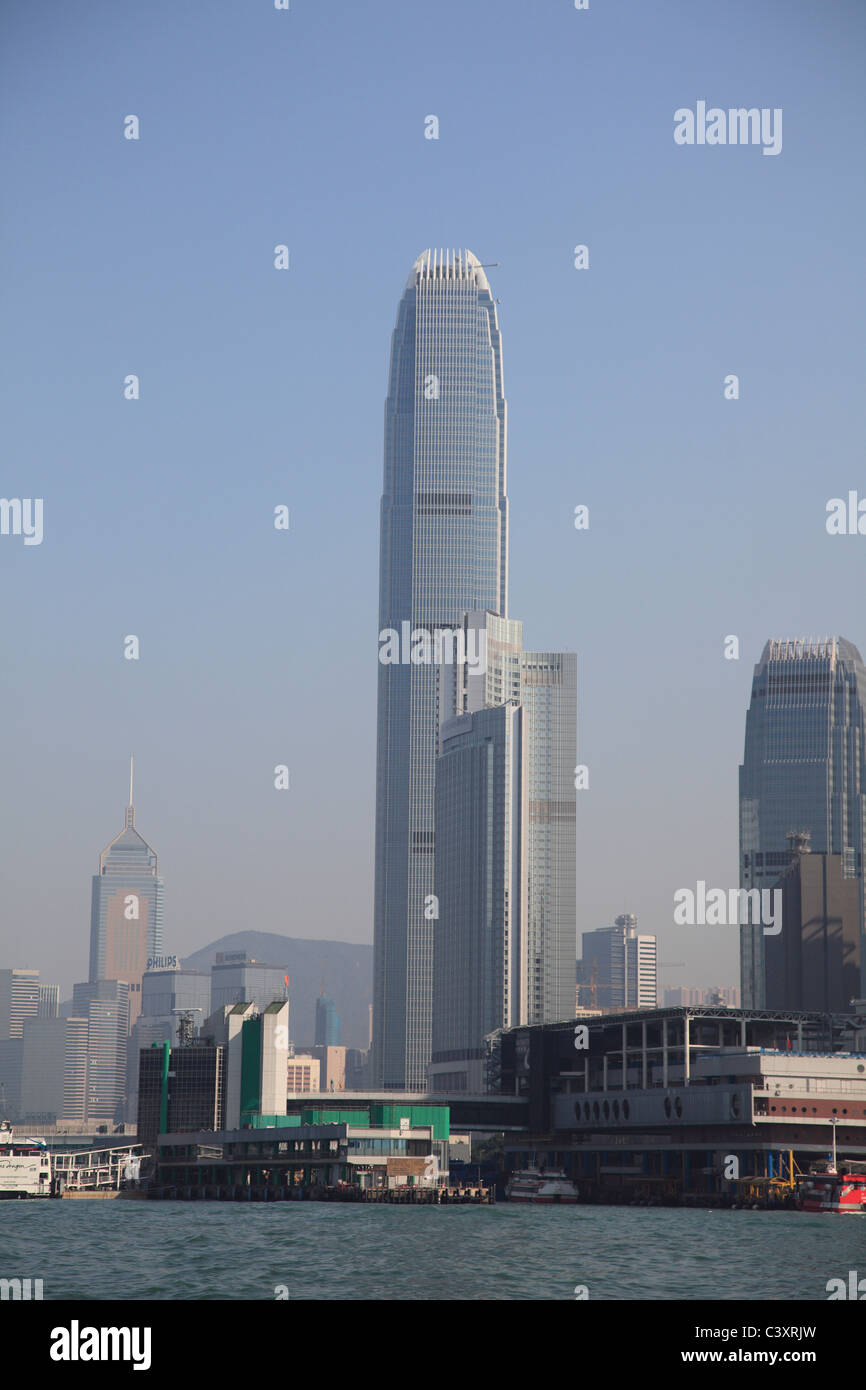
(448, 265)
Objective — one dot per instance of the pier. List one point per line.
(315, 1192)
(92, 1172)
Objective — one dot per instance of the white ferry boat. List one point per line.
(548, 1188)
(25, 1165)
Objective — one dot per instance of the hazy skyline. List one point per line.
(261, 387)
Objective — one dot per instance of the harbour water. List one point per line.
(321, 1251)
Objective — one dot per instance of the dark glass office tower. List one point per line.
(804, 769)
(444, 552)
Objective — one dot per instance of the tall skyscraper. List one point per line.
(548, 692)
(444, 552)
(126, 916)
(544, 684)
(803, 769)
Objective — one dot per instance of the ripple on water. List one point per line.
(177, 1250)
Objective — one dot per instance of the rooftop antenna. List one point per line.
(130, 813)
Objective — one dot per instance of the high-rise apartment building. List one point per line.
(620, 966)
(803, 770)
(444, 553)
(126, 917)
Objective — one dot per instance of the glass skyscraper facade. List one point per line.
(327, 1023)
(548, 692)
(479, 955)
(444, 552)
(803, 769)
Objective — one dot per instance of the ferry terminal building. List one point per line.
(655, 1103)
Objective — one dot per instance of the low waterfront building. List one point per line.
(658, 1103)
(378, 1145)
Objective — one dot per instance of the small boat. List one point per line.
(548, 1188)
(824, 1188)
(25, 1165)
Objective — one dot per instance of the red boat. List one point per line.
(824, 1188)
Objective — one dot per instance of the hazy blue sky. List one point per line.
(261, 387)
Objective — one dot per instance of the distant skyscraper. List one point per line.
(49, 1001)
(327, 1023)
(444, 552)
(75, 1069)
(19, 1000)
(126, 916)
(105, 1005)
(43, 1064)
(803, 769)
(167, 991)
(479, 955)
(237, 979)
(620, 966)
(545, 685)
(681, 995)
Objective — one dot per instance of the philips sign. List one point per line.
(162, 963)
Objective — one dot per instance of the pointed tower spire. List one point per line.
(130, 812)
